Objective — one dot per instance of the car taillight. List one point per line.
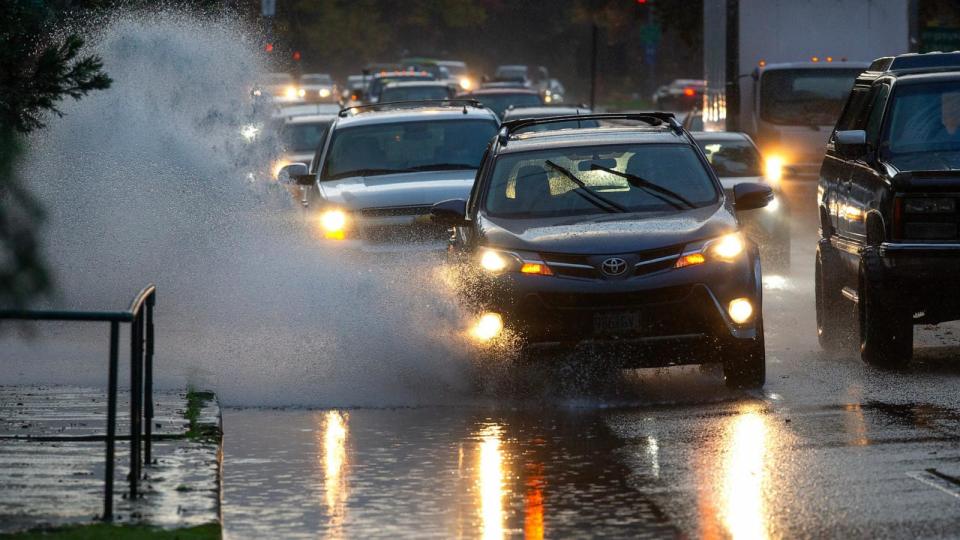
(689, 92)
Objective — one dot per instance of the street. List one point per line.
(830, 447)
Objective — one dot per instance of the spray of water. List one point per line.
(148, 181)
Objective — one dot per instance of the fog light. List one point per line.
(488, 326)
(333, 222)
(740, 310)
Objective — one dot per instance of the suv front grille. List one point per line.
(580, 266)
(395, 211)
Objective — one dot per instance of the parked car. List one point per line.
(889, 248)
(501, 99)
(736, 159)
(381, 168)
(621, 237)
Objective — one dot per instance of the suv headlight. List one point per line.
(726, 248)
(494, 261)
(334, 224)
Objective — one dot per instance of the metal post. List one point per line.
(593, 66)
(136, 394)
(111, 422)
(148, 384)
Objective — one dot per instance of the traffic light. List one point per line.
(296, 56)
(268, 47)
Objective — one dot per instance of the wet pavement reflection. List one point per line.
(830, 448)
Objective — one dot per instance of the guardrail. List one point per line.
(140, 317)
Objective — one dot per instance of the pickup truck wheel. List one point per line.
(834, 313)
(744, 361)
(886, 328)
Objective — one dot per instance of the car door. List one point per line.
(836, 172)
(866, 183)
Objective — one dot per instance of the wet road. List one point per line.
(830, 447)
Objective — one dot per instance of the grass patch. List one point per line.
(97, 531)
(195, 401)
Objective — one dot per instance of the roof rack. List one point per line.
(932, 61)
(391, 105)
(654, 119)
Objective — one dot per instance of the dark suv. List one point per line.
(618, 236)
(888, 192)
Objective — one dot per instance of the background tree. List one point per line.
(36, 72)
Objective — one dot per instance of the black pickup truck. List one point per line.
(889, 248)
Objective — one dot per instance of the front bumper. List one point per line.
(923, 276)
(681, 313)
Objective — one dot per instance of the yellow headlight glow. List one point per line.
(466, 83)
(333, 222)
(291, 92)
(773, 168)
(491, 261)
(728, 247)
(740, 310)
(324, 92)
(488, 326)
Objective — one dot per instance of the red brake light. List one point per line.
(689, 92)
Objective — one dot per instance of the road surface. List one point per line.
(830, 447)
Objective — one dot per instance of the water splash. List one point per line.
(148, 181)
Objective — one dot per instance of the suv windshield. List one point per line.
(304, 137)
(732, 159)
(599, 180)
(414, 93)
(923, 130)
(801, 97)
(401, 147)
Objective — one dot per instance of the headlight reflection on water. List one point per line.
(491, 482)
(743, 510)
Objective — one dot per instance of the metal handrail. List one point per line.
(141, 380)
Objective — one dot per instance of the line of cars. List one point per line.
(627, 234)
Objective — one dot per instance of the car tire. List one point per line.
(744, 361)
(886, 328)
(834, 312)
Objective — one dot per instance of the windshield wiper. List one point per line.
(363, 172)
(601, 202)
(442, 167)
(659, 192)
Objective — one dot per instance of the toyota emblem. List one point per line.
(614, 266)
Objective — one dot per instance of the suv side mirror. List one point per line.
(289, 174)
(851, 143)
(751, 196)
(452, 212)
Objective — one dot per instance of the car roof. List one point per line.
(401, 73)
(603, 136)
(310, 119)
(928, 77)
(456, 63)
(719, 135)
(416, 84)
(414, 114)
(537, 112)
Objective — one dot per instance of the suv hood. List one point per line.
(405, 189)
(608, 233)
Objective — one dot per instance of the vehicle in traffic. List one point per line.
(300, 138)
(680, 94)
(307, 109)
(793, 78)
(381, 168)
(280, 86)
(460, 73)
(736, 160)
(318, 87)
(889, 248)
(518, 113)
(618, 237)
(499, 100)
(383, 78)
(416, 91)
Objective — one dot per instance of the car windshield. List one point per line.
(304, 137)
(316, 79)
(456, 70)
(599, 180)
(732, 158)
(377, 84)
(413, 93)
(407, 147)
(923, 130)
(499, 103)
(804, 97)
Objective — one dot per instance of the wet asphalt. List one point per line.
(829, 448)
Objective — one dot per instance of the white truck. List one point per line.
(781, 70)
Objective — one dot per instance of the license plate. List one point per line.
(616, 323)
